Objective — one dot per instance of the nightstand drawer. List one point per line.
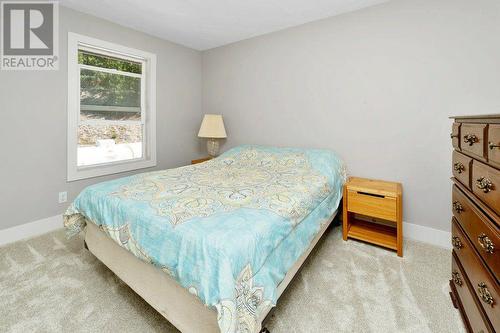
(373, 205)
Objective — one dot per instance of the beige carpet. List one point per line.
(50, 284)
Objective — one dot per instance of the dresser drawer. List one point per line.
(486, 184)
(380, 206)
(484, 285)
(455, 135)
(473, 142)
(467, 298)
(494, 145)
(482, 233)
(461, 167)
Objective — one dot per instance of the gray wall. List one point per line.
(376, 85)
(33, 120)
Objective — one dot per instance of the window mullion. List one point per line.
(109, 70)
(102, 122)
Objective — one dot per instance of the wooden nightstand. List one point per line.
(373, 212)
(201, 160)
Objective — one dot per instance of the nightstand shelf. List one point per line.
(373, 212)
(377, 234)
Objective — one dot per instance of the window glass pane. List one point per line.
(99, 60)
(109, 96)
(106, 89)
(99, 144)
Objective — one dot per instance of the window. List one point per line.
(111, 108)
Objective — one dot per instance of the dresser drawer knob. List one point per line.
(486, 243)
(485, 294)
(470, 139)
(459, 167)
(484, 184)
(457, 207)
(453, 135)
(492, 146)
(456, 242)
(456, 278)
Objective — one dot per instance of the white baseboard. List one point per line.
(427, 235)
(31, 229)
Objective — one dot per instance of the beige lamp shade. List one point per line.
(212, 126)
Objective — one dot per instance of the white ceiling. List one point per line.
(205, 24)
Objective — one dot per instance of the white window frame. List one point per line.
(148, 106)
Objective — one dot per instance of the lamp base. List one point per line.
(213, 147)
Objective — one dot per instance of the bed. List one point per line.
(212, 246)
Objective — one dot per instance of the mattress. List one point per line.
(227, 230)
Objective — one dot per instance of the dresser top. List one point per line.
(485, 118)
(482, 116)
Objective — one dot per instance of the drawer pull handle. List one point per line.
(457, 207)
(470, 139)
(456, 278)
(491, 145)
(485, 294)
(459, 167)
(486, 243)
(371, 194)
(484, 184)
(453, 135)
(456, 242)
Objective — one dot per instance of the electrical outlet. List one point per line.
(63, 197)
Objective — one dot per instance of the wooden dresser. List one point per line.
(475, 270)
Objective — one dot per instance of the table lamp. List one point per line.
(212, 128)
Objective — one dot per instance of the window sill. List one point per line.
(104, 170)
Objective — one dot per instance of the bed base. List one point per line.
(184, 310)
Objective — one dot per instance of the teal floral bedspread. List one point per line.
(228, 229)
